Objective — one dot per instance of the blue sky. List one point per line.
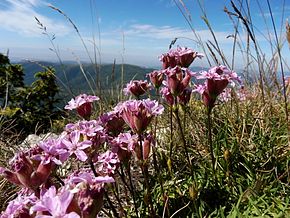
(133, 31)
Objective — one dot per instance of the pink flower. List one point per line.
(51, 151)
(217, 79)
(83, 105)
(89, 128)
(54, 202)
(26, 172)
(88, 191)
(226, 95)
(287, 81)
(177, 81)
(184, 97)
(139, 113)
(147, 141)
(107, 163)
(156, 78)
(124, 145)
(112, 122)
(136, 87)
(186, 56)
(75, 146)
(166, 94)
(19, 207)
(88, 178)
(168, 60)
(229, 94)
(181, 56)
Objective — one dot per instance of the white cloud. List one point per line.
(168, 33)
(18, 16)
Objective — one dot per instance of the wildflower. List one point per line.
(139, 113)
(186, 56)
(89, 191)
(107, 163)
(168, 60)
(19, 207)
(26, 172)
(112, 122)
(147, 141)
(156, 78)
(228, 94)
(56, 203)
(182, 57)
(124, 145)
(89, 128)
(177, 81)
(75, 146)
(51, 151)
(136, 87)
(184, 97)
(217, 79)
(83, 105)
(166, 94)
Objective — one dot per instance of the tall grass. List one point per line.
(232, 161)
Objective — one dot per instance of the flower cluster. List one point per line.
(96, 148)
(80, 193)
(175, 64)
(216, 81)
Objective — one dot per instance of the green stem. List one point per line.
(182, 135)
(171, 132)
(147, 190)
(209, 125)
(132, 189)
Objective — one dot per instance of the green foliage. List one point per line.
(30, 107)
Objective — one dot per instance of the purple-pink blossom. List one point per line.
(137, 87)
(147, 141)
(55, 202)
(88, 190)
(19, 207)
(52, 150)
(26, 172)
(124, 144)
(76, 146)
(156, 78)
(112, 122)
(83, 104)
(166, 94)
(139, 113)
(217, 79)
(177, 79)
(107, 163)
(181, 56)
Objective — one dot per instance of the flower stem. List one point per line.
(132, 189)
(145, 172)
(209, 125)
(105, 192)
(171, 132)
(182, 136)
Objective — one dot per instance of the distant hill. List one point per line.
(72, 75)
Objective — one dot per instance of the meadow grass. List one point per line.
(238, 169)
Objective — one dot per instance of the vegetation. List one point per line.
(215, 148)
(26, 108)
